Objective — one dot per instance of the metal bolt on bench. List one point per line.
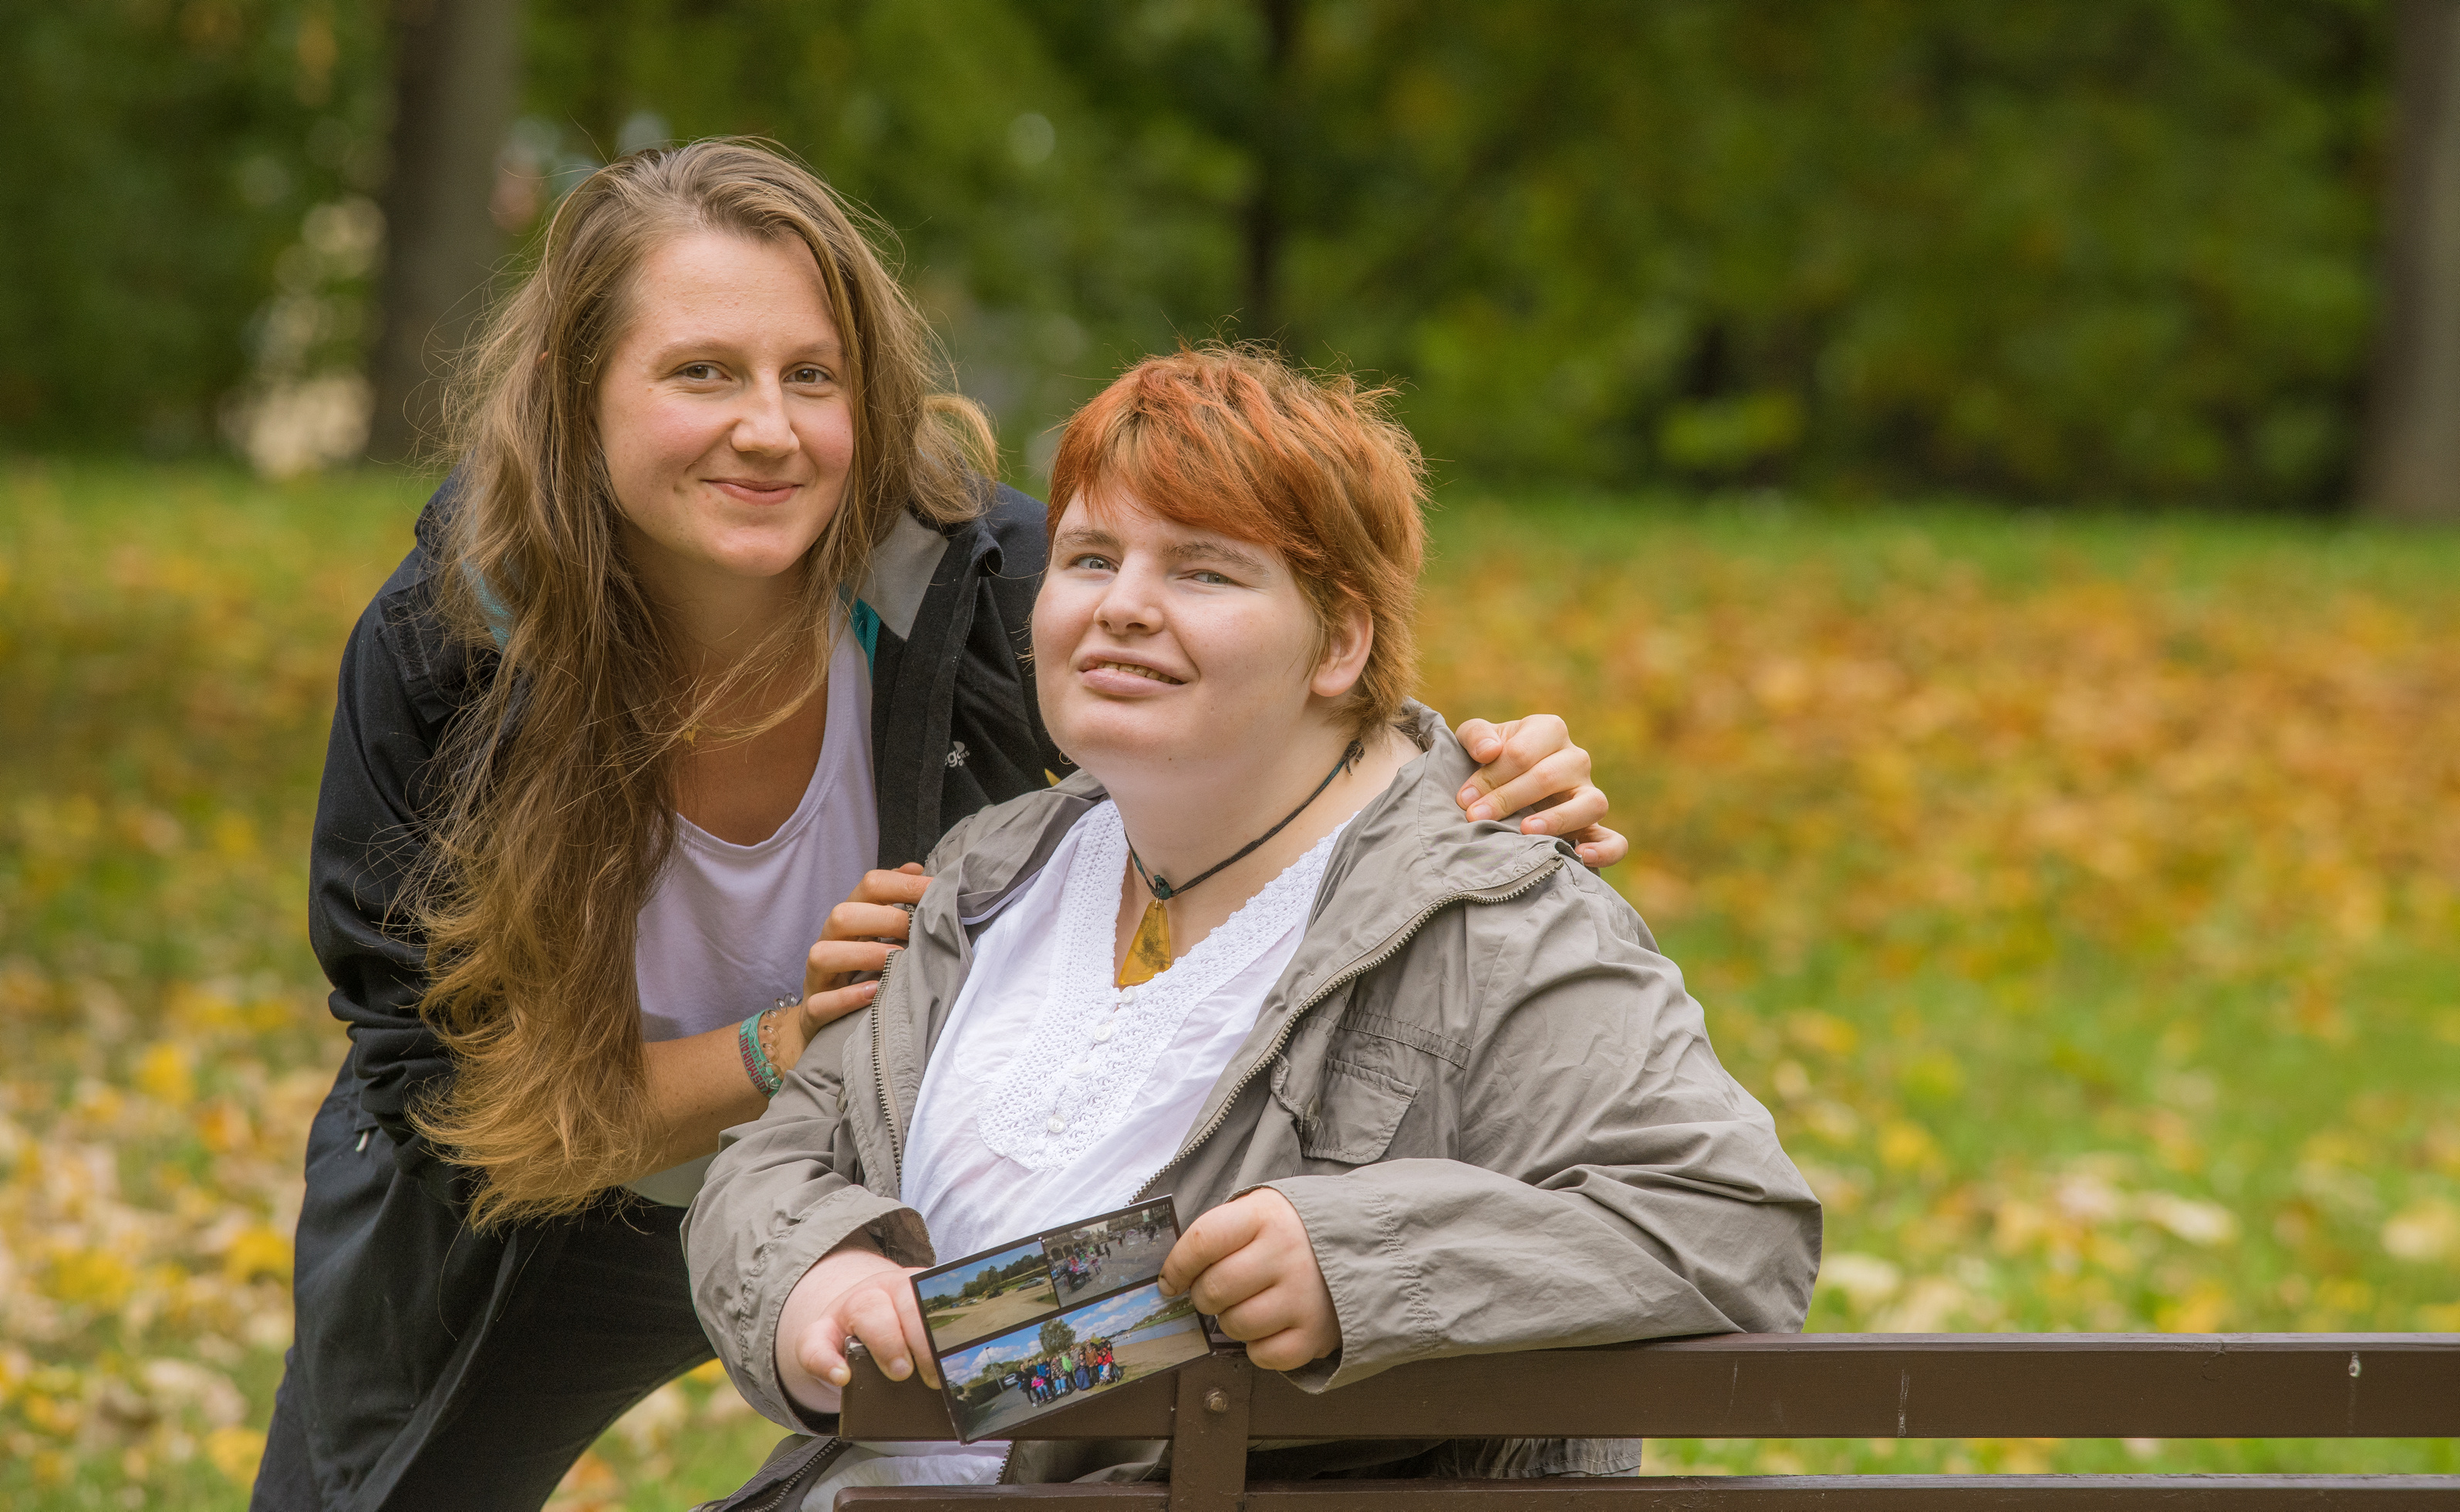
(1747, 1386)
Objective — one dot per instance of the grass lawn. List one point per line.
(2081, 894)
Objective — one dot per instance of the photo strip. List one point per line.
(1067, 1314)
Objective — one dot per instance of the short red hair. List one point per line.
(1235, 440)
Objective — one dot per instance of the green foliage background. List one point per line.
(162, 156)
(2119, 252)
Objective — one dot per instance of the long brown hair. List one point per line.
(561, 803)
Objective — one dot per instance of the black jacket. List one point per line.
(393, 1293)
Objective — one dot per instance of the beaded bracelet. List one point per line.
(756, 1064)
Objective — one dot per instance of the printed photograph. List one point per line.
(1080, 1354)
(978, 1297)
(1106, 1253)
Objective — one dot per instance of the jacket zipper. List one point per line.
(880, 1073)
(1391, 947)
(794, 1486)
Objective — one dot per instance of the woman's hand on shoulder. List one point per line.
(1532, 762)
(853, 1292)
(1249, 1263)
(861, 934)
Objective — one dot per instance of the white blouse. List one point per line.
(1053, 1095)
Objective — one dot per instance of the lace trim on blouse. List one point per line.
(1094, 1043)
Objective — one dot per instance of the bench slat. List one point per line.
(2126, 1493)
(1816, 1386)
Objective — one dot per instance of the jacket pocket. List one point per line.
(1355, 1115)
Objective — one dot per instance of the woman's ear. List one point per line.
(1347, 643)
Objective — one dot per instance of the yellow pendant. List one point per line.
(1149, 952)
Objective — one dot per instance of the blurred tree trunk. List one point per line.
(1264, 229)
(455, 75)
(2410, 468)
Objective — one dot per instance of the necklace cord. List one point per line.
(1161, 889)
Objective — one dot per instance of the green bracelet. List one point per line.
(756, 1064)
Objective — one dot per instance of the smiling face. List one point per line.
(728, 433)
(1159, 647)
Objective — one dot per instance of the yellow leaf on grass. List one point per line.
(222, 1126)
(2203, 1309)
(92, 1277)
(235, 1453)
(1904, 1145)
(234, 834)
(2344, 1297)
(168, 1074)
(1822, 1031)
(257, 1251)
(268, 1014)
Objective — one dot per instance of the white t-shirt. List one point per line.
(726, 931)
(1053, 1095)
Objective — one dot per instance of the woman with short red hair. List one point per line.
(1425, 1088)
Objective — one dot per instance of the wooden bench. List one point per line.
(1753, 1386)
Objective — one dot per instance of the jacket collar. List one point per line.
(1408, 847)
(906, 560)
(1407, 855)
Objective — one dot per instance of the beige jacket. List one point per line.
(1487, 1095)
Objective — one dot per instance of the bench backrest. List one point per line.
(1742, 1386)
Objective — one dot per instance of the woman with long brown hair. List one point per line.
(719, 621)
